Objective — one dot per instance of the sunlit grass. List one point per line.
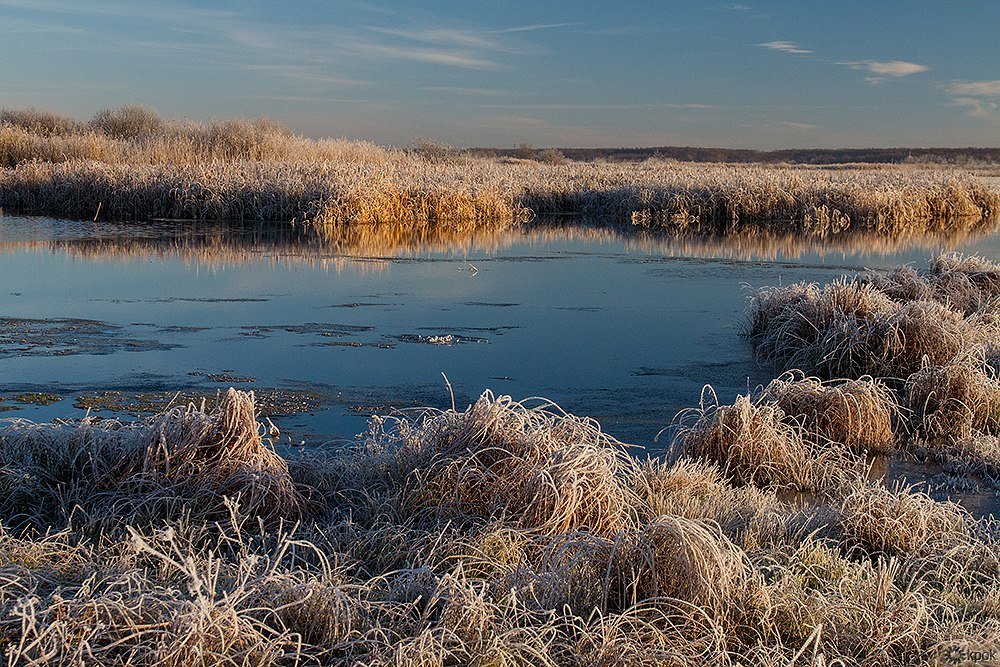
(505, 533)
(128, 166)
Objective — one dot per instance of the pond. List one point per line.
(328, 329)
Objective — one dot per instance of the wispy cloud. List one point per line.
(441, 36)
(160, 12)
(456, 47)
(13, 26)
(786, 47)
(475, 92)
(798, 126)
(974, 96)
(425, 55)
(559, 106)
(976, 88)
(976, 107)
(310, 74)
(536, 26)
(889, 68)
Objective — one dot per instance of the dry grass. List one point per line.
(935, 334)
(900, 520)
(881, 326)
(754, 441)
(856, 413)
(137, 166)
(502, 534)
(182, 457)
(967, 284)
(552, 473)
(956, 399)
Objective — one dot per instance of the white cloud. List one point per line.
(977, 88)
(798, 126)
(787, 47)
(889, 68)
(971, 95)
(442, 36)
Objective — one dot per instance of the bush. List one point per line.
(41, 122)
(552, 156)
(430, 150)
(127, 122)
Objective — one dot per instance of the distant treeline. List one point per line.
(959, 156)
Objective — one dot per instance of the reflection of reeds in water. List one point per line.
(222, 243)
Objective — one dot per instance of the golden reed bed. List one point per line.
(129, 164)
(703, 198)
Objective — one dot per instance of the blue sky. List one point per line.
(749, 74)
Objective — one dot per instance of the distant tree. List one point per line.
(430, 150)
(127, 122)
(525, 151)
(552, 156)
(38, 121)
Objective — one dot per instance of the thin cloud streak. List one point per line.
(537, 26)
(891, 68)
(476, 92)
(425, 55)
(608, 107)
(977, 108)
(785, 47)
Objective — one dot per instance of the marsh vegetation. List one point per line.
(130, 164)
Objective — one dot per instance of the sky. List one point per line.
(753, 74)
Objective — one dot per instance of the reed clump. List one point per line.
(499, 458)
(143, 469)
(755, 441)
(956, 399)
(933, 335)
(490, 535)
(881, 326)
(856, 413)
(900, 520)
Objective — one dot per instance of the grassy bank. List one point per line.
(244, 170)
(501, 534)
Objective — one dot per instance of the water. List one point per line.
(624, 328)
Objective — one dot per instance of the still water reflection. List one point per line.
(330, 328)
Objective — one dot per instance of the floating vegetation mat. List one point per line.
(60, 337)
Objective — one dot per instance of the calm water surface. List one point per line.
(622, 329)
